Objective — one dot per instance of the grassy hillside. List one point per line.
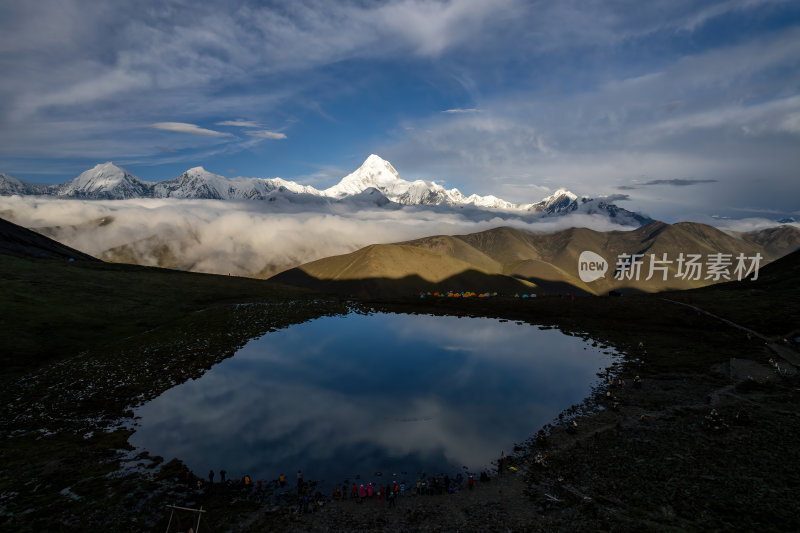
(769, 304)
(776, 240)
(549, 262)
(21, 242)
(51, 308)
(388, 271)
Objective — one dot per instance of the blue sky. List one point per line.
(684, 106)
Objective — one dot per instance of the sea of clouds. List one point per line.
(253, 238)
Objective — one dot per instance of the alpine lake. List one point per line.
(365, 396)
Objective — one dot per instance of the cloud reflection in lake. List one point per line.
(340, 396)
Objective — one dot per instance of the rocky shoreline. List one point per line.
(682, 452)
(711, 445)
(707, 440)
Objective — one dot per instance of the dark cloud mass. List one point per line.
(675, 182)
(615, 198)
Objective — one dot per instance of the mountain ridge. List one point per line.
(106, 181)
(547, 262)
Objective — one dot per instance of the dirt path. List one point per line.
(729, 322)
(784, 352)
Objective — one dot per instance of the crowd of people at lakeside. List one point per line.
(309, 498)
(388, 493)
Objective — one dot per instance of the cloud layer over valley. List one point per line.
(244, 238)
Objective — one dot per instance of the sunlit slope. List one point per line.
(392, 261)
(458, 248)
(399, 269)
(550, 261)
(774, 241)
(554, 257)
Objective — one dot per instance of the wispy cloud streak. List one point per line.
(183, 127)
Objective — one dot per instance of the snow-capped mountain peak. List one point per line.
(375, 183)
(378, 173)
(293, 186)
(196, 182)
(490, 201)
(11, 185)
(105, 180)
(562, 192)
(199, 171)
(374, 172)
(103, 175)
(561, 201)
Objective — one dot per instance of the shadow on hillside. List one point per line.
(402, 287)
(22, 242)
(555, 288)
(409, 286)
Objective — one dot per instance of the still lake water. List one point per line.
(347, 396)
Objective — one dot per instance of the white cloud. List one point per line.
(133, 52)
(85, 83)
(239, 123)
(432, 27)
(614, 198)
(265, 134)
(294, 401)
(774, 116)
(246, 238)
(790, 123)
(721, 114)
(696, 20)
(740, 225)
(183, 127)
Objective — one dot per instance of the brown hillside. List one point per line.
(396, 269)
(504, 245)
(459, 249)
(775, 240)
(550, 261)
(393, 261)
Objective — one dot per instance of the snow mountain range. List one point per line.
(375, 183)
